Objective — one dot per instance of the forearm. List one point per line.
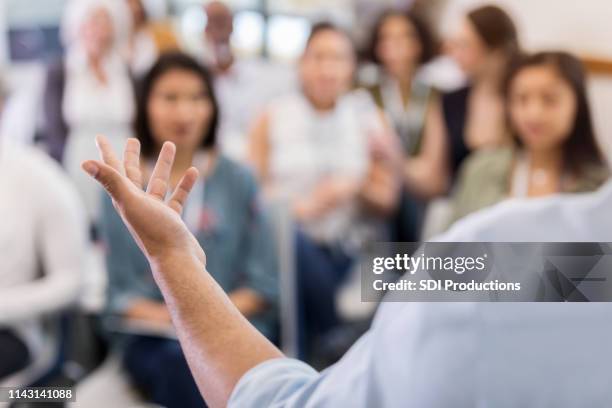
(380, 193)
(423, 179)
(219, 343)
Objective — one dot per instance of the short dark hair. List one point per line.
(169, 62)
(429, 42)
(323, 26)
(580, 148)
(496, 29)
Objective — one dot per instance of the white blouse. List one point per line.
(92, 108)
(42, 232)
(307, 146)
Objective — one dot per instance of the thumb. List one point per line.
(108, 177)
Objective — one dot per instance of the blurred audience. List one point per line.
(176, 103)
(147, 39)
(555, 148)
(243, 85)
(89, 91)
(352, 166)
(486, 43)
(42, 239)
(312, 151)
(401, 44)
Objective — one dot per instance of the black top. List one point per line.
(454, 109)
(55, 127)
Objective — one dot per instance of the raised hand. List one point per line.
(153, 221)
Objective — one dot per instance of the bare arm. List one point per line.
(426, 175)
(258, 149)
(380, 191)
(379, 194)
(219, 343)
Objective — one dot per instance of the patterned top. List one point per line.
(407, 119)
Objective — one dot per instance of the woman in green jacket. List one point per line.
(555, 149)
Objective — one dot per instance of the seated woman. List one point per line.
(555, 147)
(483, 47)
(176, 103)
(312, 152)
(402, 42)
(89, 91)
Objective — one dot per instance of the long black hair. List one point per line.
(169, 62)
(580, 149)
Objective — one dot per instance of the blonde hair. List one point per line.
(77, 12)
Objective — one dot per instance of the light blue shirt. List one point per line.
(469, 354)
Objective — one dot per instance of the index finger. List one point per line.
(107, 154)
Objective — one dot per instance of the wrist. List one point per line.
(177, 259)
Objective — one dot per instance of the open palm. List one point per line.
(153, 221)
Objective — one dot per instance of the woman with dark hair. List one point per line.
(176, 104)
(485, 44)
(555, 147)
(311, 150)
(401, 43)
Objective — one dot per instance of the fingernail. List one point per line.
(90, 168)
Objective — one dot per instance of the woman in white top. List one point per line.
(90, 92)
(42, 240)
(325, 153)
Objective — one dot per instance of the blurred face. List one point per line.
(137, 11)
(326, 68)
(219, 23)
(398, 47)
(468, 50)
(542, 107)
(179, 109)
(97, 32)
